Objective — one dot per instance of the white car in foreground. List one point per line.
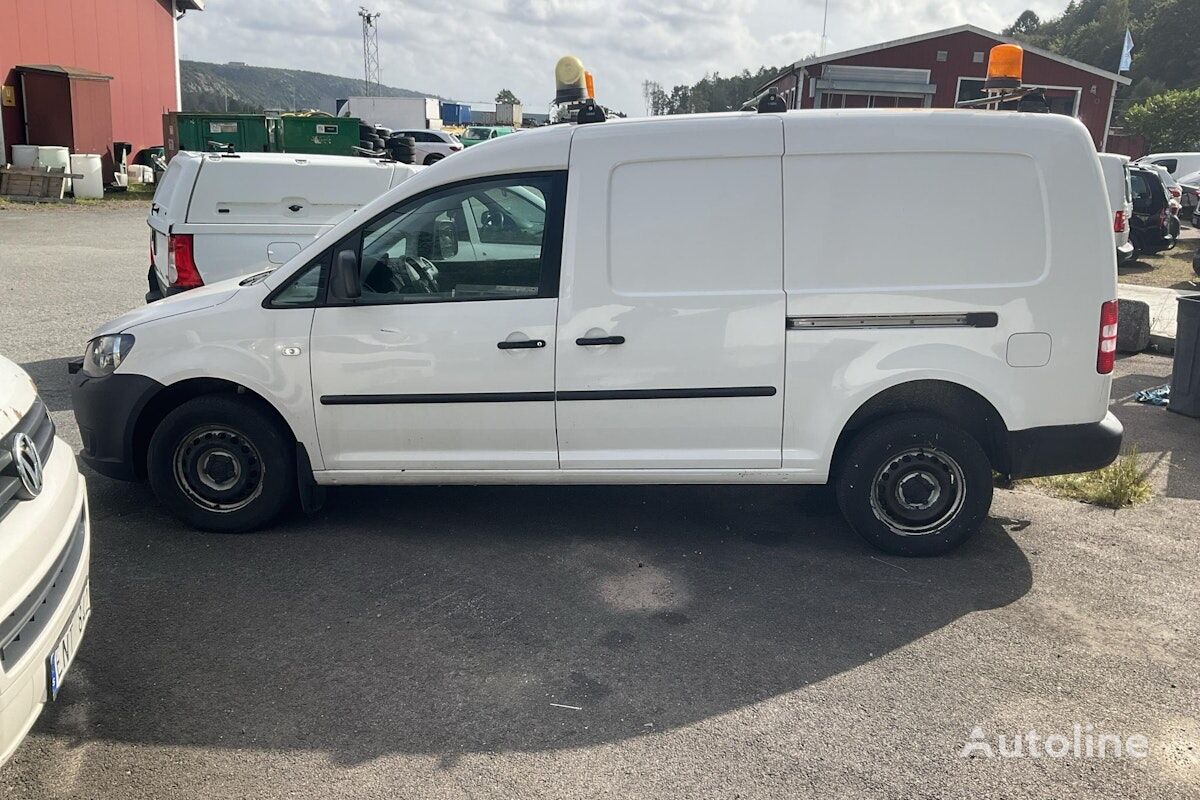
(45, 598)
(431, 146)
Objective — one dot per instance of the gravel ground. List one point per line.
(599, 642)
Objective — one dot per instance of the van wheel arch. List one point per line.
(172, 396)
(954, 402)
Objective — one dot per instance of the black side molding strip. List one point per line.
(409, 399)
(969, 319)
(665, 394)
(534, 397)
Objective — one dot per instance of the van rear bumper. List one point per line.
(1063, 449)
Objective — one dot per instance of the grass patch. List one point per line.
(1120, 484)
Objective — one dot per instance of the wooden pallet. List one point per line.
(33, 184)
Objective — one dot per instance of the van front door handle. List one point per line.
(522, 344)
(592, 341)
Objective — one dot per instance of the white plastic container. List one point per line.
(91, 185)
(54, 156)
(139, 173)
(24, 155)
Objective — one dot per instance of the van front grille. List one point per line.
(37, 425)
(20, 629)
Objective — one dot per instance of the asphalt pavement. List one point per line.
(619, 642)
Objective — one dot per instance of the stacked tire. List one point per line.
(402, 148)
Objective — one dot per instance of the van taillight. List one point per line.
(1119, 222)
(1106, 352)
(181, 265)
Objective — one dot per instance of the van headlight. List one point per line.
(105, 353)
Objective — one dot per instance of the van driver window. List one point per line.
(478, 242)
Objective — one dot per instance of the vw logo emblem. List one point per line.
(28, 462)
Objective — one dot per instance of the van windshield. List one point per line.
(476, 134)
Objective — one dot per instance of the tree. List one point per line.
(506, 96)
(1169, 121)
(1026, 24)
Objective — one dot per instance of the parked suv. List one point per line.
(432, 146)
(45, 597)
(655, 324)
(1150, 228)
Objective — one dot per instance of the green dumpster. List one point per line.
(334, 136)
(204, 132)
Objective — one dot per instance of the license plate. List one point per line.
(60, 658)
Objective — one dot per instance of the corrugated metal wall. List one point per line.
(132, 40)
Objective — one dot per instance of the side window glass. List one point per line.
(303, 289)
(1168, 163)
(422, 251)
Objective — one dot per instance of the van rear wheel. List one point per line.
(221, 463)
(914, 485)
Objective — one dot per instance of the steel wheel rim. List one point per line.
(218, 468)
(918, 492)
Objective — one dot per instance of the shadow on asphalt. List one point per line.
(445, 620)
(53, 381)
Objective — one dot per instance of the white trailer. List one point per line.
(394, 112)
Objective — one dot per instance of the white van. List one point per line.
(678, 299)
(221, 215)
(1120, 201)
(45, 540)
(1178, 164)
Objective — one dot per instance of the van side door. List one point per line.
(672, 314)
(446, 361)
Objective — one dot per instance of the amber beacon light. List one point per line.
(1004, 67)
(570, 80)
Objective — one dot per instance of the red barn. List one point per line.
(937, 69)
(101, 70)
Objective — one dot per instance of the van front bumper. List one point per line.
(1064, 449)
(24, 690)
(107, 410)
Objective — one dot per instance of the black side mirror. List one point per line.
(345, 282)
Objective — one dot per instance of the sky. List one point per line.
(468, 50)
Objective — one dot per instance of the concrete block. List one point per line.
(1133, 326)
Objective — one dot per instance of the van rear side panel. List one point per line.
(996, 221)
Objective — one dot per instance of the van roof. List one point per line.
(291, 158)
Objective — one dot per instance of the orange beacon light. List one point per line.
(1004, 67)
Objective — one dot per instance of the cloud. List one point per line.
(470, 49)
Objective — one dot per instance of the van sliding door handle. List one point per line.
(598, 340)
(522, 344)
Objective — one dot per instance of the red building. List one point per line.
(90, 63)
(938, 69)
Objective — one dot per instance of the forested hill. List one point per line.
(1166, 36)
(240, 87)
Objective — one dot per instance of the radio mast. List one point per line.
(370, 32)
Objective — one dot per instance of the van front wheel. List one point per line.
(221, 463)
(914, 485)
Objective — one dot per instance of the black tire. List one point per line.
(433, 158)
(246, 455)
(943, 466)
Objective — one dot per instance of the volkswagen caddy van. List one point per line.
(683, 299)
(45, 597)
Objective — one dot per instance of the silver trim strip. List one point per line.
(965, 320)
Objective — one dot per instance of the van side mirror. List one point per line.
(345, 282)
(447, 239)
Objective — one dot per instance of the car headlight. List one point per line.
(105, 353)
